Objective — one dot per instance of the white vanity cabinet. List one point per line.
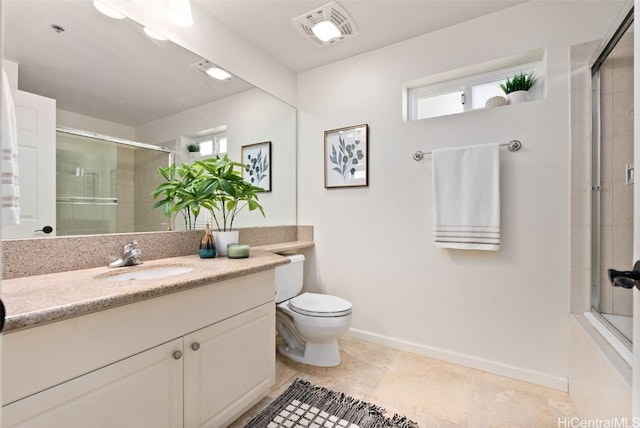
(195, 358)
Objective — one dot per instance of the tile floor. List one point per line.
(431, 392)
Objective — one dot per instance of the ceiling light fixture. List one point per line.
(218, 73)
(206, 66)
(106, 10)
(180, 13)
(326, 25)
(149, 32)
(326, 30)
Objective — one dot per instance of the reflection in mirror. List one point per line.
(103, 185)
(107, 77)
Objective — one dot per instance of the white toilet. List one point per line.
(310, 323)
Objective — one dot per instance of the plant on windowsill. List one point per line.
(193, 150)
(517, 87)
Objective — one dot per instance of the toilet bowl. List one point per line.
(309, 323)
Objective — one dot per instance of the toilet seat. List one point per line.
(320, 305)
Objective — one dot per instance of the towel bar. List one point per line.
(512, 146)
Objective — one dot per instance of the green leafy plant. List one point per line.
(180, 193)
(519, 82)
(193, 147)
(228, 193)
(215, 184)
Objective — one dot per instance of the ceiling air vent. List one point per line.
(331, 12)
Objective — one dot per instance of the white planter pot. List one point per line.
(222, 239)
(518, 97)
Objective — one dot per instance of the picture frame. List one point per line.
(257, 158)
(346, 157)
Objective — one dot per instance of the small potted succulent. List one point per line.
(517, 87)
(193, 149)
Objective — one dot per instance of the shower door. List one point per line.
(612, 178)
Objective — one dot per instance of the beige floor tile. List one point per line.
(427, 386)
(503, 402)
(431, 392)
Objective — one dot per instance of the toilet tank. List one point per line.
(289, 278)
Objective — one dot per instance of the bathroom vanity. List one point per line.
(194, 349)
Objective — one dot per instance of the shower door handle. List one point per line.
(626, 278)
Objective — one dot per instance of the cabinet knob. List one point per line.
(195, 346)
(177, 354)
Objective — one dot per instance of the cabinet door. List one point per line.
(144, 390)
(228, 367)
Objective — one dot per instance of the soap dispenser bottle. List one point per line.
(207, 244)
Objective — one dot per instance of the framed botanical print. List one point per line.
(257, 158)
(346, 157)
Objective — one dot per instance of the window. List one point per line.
(212, 144)
(468, 89)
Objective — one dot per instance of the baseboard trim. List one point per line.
(490, 366)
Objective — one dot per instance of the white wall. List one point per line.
(251, 117)
(92, 124)
(505, 312)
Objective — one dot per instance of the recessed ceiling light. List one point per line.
(326, 30)
(180, 13)
(206, 66)
(106, 10)
(149, 32)
(218, 73)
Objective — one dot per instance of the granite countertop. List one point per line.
(40, 299)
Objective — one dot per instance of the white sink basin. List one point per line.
(155, 273)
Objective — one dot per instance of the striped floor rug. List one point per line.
(304, 405)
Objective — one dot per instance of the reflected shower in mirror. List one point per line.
(103, 186)
(108, 77)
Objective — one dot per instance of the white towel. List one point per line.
(9, 167)
(466, 192)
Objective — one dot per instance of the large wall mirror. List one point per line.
(106, 76)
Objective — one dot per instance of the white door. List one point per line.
(36, 120)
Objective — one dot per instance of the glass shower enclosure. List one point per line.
(104, 184)
(612, 179)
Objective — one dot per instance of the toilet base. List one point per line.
(324, 354)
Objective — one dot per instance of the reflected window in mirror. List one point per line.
(212, 144)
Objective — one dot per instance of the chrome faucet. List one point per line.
(130, 256)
